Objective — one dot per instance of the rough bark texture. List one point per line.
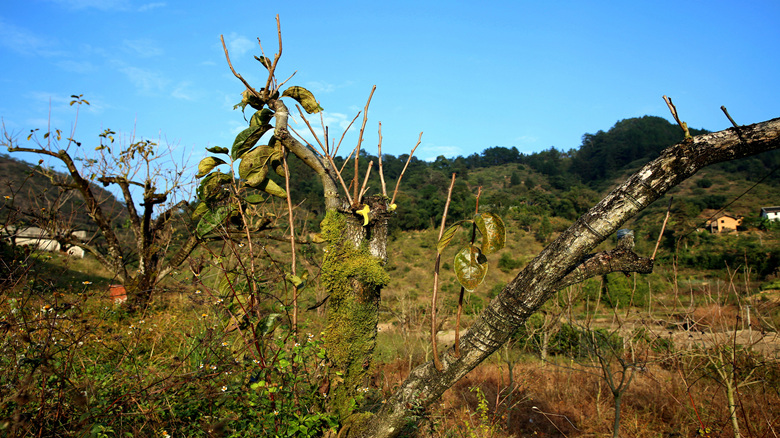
(538, 281)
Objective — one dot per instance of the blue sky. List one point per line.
(529, 74)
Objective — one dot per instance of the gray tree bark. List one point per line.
(564, 260)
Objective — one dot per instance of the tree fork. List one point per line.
(535, 284)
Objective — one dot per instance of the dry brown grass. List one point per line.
(564, 400)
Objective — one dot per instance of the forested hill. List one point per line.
(29, 197)
(552, 182)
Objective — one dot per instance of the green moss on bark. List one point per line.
(353, 278)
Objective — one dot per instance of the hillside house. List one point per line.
(42, 240)
(770, 213)
(724, 223)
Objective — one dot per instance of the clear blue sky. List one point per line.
(529, 74)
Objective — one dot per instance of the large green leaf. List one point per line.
(493, 231)
(261, 117)
(254, 165)
(212, 219)
(448, 235)
(270, 187)
(210, 188)
(254, 198)
(199, 211)
(470, 267)
(304, 97)
(207, 164)
(246, 140)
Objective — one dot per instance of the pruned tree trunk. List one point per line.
(562, 261)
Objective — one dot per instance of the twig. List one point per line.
(381, 173)
(436, 360)
(292, 245)
(312, 130)
(236, 74)
(398, 183)
(462, 288)
(663, 228)
(277, 55)
(363, 188)
(336, 149)
(359, 143)
(673, 109)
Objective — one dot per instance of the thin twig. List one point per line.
(436, 360)
(663, 228)
(292, 245)
(673, 109)
(411, 154)
(311, 129)
(277, 55)
(336, 149)
(363, 188)
(235, 73)
(381, 173)
(359, 143)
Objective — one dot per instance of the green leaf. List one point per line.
(448, 235)
(304, 97)
(470, 267)
(254, 165)
(247, 139)
(207, 164)
(199, 211)
(254, 199)
(268, 323)
(218, 150)
(226, 284)
(493, 231)
(212, 219)
(210, 189)
(267, 63)
(270, 187)
(262, 117)
(299, 282)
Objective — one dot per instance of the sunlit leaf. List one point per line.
(448, 235)
(254, 198)
(262, 117)
(210, 188)
(199, 211)
(207, 164)
(470, 267)
(304, 97)
(268, 323)
(267, 63)
(270, 187)
(493, 231)
(247, 139)
(212, 219)
(218, 150)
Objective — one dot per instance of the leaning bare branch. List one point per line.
(411, 154)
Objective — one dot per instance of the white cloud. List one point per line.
(238, 45)
(182, 91)
(76, 66)
(144, 47)
(145, 80)
(23, 41)
(103, 5)
(150, 6)
(430, 152)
